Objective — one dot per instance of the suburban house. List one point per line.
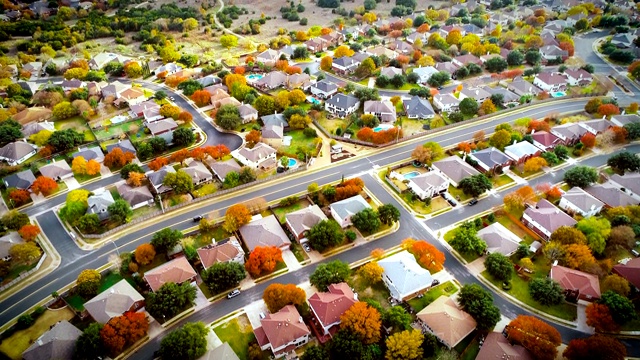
(16, 153)
(327, 307)
(629, 270)
(137, 197)
(381, 50)
(156, 178)
(124, 145)
(176, 271)
(390, 71)
(611, 195)
(545, 141)
(499, 239)
(217, 95)
(345, 65)
(342, 105)
(221, 168)
(628, 183)
(552, 52)
(115, 301)
(301, 221)
(479, 94)
(383, 110)
(268, 57)
(272, 80)
(578, 285)
(162, 126)
(522, 87)
(401, 47)
(509, 98)
(299, 81)
(578, 201)
(463, 60)
(99, 202)
(428, 185)
(282, 332)
(622, 41)
(264, 231)
(522, 151)
(57, 343)
(491, 159)
(455, 169)
(551, 81)
(198, 172)
(273, 135)
(132, 96)
(222, 251)
(91, 153)
(114, 89)
(569, 133)
(341, 211)
(578, 77)
(545, 218)
(102, 59)
(497, 346)
(418, 108)
(622, 120)
(316, 45)
(446, 102)
(20, 180)
(57, 170)
(447, 66)
(424, 73)
(403, 276)
(222, 352)
(31, 114)
(229, 101)
(261, 156)
(324, 89)
(596, 126)
(170, 68)
(247, 113)
(275, 119)
(7, 242)
(68, 85)
(444, 319)
(152, 115)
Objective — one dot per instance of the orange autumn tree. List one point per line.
(540, 338)
(595, 347)
(277, 296)
(588, 140)
(363, 321)
(599, 317)
(608, 109)
(174, 80)
(198, 154)
(282, 65)
(185, 117)
(179, 156)
(157, 163)
(117, 158)
(44, 185)
(540, 125)
(217, 151)
(348, 188)
(263, 260)
(29, 232)
(326, 63)
(253, 137)
(578, 256)
(236, 216)
(135, 178)
(427, 255)
(534, 164)
(92, 167)
(145, 253)
(465, 147)
(19, 196)
(123, 331)
(201, 97)
(377, 253)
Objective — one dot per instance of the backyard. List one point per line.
(112, 131)
(204, 190)
(298, 142)
(468, 257)
(281, 211)
(77, 302)
(78, 124)
(447, 289)
(377, 291)
(238, 333)
(330, 125)
(517, 228)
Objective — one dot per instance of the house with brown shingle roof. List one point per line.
(497, 347)
(114, 301)
(198, 172)
(260, 156)
(136, 196)
(272, 80)
(175, 271)
(327, 307)
(444, 319)
(301, 221)
(222, 251)
(133, 96)
(162, 126)
(57, 343)
(545, 218)
(282, 332)
(264, 231)
(630, 271)
(455, 169)
(577, 284)
(217, 95)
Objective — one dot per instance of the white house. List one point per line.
(551, 81)
(577, 77)
(342, 210)
(446, 102)
(425, 73)
(342, 105)
(324, 89)
(403, 276)
(428, 185)
(260, 156)
(578, 201)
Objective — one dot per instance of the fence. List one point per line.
(24, 274)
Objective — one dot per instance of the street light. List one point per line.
(116, 246)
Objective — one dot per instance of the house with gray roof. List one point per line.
(508, 97)
(578, 201)
(622, 120)
(7, 242)
(446, 102)
(324, 89)
(570, 133)
(384, 110)
(273, 135)
(299, 81)
(17, 152)
(390, 71)
(522, 87)
(401, 47)
(221, 168)
(99, 202)
(345, 65)
(622, 41)
(552, 52)
(35, 127)
(264, 231)
(92, 153)
(272, 80)
(403, 276)
(342, 105)
(198, 172)
(247, 113)
(261, 156)
(418, 108)
(596, 126)
(301, 221)
(447, 66)
(124, 145)
(268, 57)
(162, 126)
(343, 210)
(478, 94)
(275, 119)
(21, 180)
(491, 159)
(156, 178)
(424, 73)
(611, 195)
(499, 239)
(551, 81)
(578, 77)
(455, 169)
(115, 301)
(136, 196)
(222, 352)
(428, 185)
(628, 183)
(57, 343)
(463, 60)
(545, 218)
(522, 151)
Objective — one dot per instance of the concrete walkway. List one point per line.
(581, 321)
(476, 266)
(72, 183)
(291, 261)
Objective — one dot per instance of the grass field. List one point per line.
(78, 124)
(238, 333)
(205, 189)
(298, 140)
(280, 212)
(447, 289)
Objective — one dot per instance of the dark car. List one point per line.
(473, 202)
(198, 218)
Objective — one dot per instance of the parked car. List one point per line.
(635, 253)
(473, 202)
(306, 247)
(435, 282)
(171, 98)
(233, 294)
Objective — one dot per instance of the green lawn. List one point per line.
(447, 289)
(437, 204)
(298, 141)
(109, 131)
(299, 253)
(238, 333)
(280, 212)
(501, 180)
(84, 178)
(458, 194)
(205, 189)
(78, 124)
(108, 281)
(76, 301)
(516, 229)
(331, 125)
(203, 239)
(469, 347)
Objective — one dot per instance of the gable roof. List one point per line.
(269, 55)
(448, 322)
(222, 352)
(611, 195)
(599, 125)
(113, 302)
(134, 195)
(497, 347)
(552, 78)
(582, 199)
(428, 180)
(16, 150)
(222, 168)
(92, 153)
(35, 127)
(283, 327)
(35, 113)
(258, 152)
(350, 206)
(265, 231)
(545, 138)
(628, 181)
(570, 279)
(273, 79)
(454, 168)
(520, 150)
(21, 180)
(475, 93)
(523, 87)
(446, 99)
(57, 343)
(247, 110)
(176, 271)
(405, 273)
(304, 219)
(329, 306)
(490, 157)
(197, 171)
(416, 106)
(325, 86)
(499, 239)
(569, 130)
(161, 126)
(390, 71)
(549, 216)
(221, 251)
(630, 271)
(622, 120)
(275, 119)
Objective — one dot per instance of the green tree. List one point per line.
(621, 308)
(64, 110)
(475, 185)
(325, 234)
(580, 176)
(366, 220)
(597, 231)
(467, 241)
(223, 276)
(228, 117)
(170, 300)
(515, 58)
(166, 239)
(499, 266)
(9, 132)
(183, 136)
(130, 167)
(188, 342)
(533, 57)
(469, 106)
(265, 105)
(231, 180)
(333, 272)
(388, 214)
(158, 144)
(624, 161)
(439, 79)
(315, 352)
(561, 152)
(89, 345)
(397, 317)
(496, 65)
(479, 304)
(75, 206)
(179, 181)
(89, 223)
(62, 140)
(500, 139)
(546, 291)
(14, 220)
(120, 211)
(189, 87)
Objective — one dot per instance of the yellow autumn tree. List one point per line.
(405, 345)
(363, 321)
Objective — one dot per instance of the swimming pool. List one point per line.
(313, 100)
(292, 163)
(382, 127)
(558, 94)
(411, 175)
(254, 77)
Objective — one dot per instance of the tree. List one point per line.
(19, 196)
(170, 111)
(363, 321)
(588, 140)
(133, 69)
(253, 137)
(405, 345)
(621, 308)
(170, 300)
(534, 164)
(371, 272)
(546, 291)
(540, 338)
(326, 63)
(44, 185)
(342, 51)
(201, 97)
(135, 179)
(325, 234)
(475, 185)
(145, 253)
(333, 272)
(617, 284)
(65, 139)
(266, 105)
(179, 181)
(496, 65)
(120, 211)
(568, 235)
(123, 331)
(596, 230)
(581, 176)
(592, 105)
(622, 235)
(624, 161)
(532, 57)
(499, 266)
(183, 136)
(92, 168)
(608, 109)
(515, 58)
(263, 260)
(88, 282)
(228, 41)
(29, 232)
(595, 347)
(166, 239)
(500, 139)
(315, 352)
(41, 138)
(466, 240)
(236, 216)
(276, 296)
(117, 158)
(157, 163)
(25, 252)
(469, 106)
(439, 79)
(487, 107)
(89, 345)
(599, 317)
(366, 220)
(427, 255)
(223, 275)
(388, 214)
(180, 156)
(479, 304)
(188, 342)
(131, 167)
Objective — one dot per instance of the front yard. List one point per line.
(436, 205)
(281, 211)
(445, 289)
(238, 333)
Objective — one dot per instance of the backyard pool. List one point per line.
(254, 77)
(411, 175)
(382, 127)
(292, 163)
(558, 94)
(313, 100)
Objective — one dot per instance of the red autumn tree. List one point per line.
(402, 59)
(540, 338)
(46, 151)
(157, 163)
(365, 134)
(428, 256)
(123, 331)
(29, 232)
(185, 116)
(44, 185)
(588, 140)
(349, 188)
(263, 260)
(599, 317)
(568, 47)
(277, 296)
(423, 28)
(217, 151)
(117, 158)
(554, 193)
(179, 156)
(19, 196)
(539, 125)
(465, 147)
(595, 347)
(608, 109)
(239, 70)
(198, 154)
(619, 134)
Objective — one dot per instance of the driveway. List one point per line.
(291, 261)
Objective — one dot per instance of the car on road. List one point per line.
(306, 247)
(473, 202)
(172, 98)
(198, 218)
(233, 294)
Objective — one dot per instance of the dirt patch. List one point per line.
(244, 324)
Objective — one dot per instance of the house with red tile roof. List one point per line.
(327, 307)
(444, 319)
(222, 251)
(282, 332)
(545, 218)
(496, 346)
(630, 271)
(176, 271)
(577, 284)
